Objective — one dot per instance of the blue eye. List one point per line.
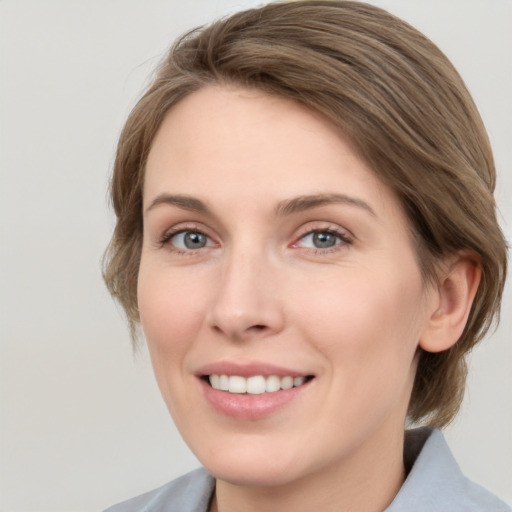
(323, 239)
(190, 240)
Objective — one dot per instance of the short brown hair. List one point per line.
(399, 99)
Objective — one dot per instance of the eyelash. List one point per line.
(343, 237)
(345, 240)
(166, 239)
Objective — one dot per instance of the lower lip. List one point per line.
(247, 406)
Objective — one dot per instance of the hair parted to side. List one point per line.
(399, 99)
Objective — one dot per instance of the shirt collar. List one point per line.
(435, 481)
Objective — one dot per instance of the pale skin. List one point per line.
(267, 239)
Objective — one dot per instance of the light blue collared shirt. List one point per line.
(435, 483)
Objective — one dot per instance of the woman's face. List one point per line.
(272, 251)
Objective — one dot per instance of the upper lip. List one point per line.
(248, 369)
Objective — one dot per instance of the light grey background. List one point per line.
(82, 422)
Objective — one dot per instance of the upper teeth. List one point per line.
(254, 385)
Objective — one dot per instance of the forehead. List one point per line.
(220, 143)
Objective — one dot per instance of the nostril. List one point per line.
(258, 327)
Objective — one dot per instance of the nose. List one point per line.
(247, 300)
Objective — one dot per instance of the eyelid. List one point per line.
(318, 227)
(173, 240)
(168, 235)
(345, 237)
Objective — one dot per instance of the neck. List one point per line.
(366, 481)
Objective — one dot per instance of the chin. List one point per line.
(253, 465)
(252, 474)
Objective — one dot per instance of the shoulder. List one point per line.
(188, 493)
(435, 482)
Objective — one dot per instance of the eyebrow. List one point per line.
(286, 207)
(184, 202)
(302, 203)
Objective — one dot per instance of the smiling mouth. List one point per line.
(255, 385)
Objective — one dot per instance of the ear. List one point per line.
(458, 283)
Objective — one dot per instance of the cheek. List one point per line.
(367, 332)
(170, 309)
(170, 315)
(364, 318)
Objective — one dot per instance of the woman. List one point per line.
(306, 233)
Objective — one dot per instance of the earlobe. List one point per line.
(455, 294)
